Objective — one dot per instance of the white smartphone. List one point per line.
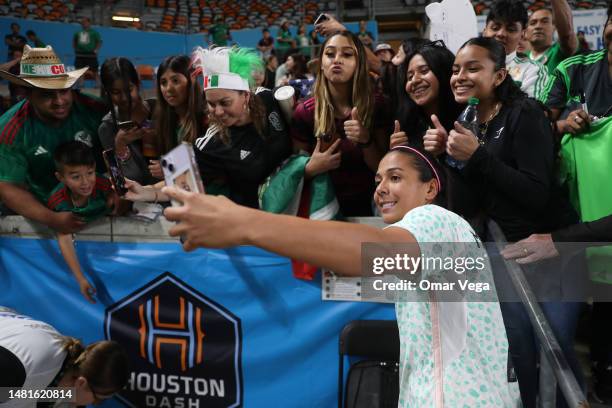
(181, 170)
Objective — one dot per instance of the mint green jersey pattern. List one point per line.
(475, 375)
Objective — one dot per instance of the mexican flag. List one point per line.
(286, 192)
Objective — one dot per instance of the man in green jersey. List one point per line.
(582, 86)
(540, 29)
(30, 131)
(219, 34)
(86, 44)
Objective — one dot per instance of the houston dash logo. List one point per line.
(185, 349)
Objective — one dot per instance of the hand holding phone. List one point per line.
(116, 174)
(321, 19)
(126, 125)
(180, 170)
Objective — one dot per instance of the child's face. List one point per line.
(80, 179)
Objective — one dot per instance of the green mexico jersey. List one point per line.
(86, 40)
(550, 58)
(585, 165)
(585, 73)
(60, 200)
(27, 144)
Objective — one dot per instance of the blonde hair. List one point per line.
(361, 97)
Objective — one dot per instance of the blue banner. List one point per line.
(209, 328)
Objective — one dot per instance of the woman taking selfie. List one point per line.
(128, 127)
(343, 126)
(453, 354)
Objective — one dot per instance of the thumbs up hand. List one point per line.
(354, 130)
(398, 137)
(462, 143)
(434, 140)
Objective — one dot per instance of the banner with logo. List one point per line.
(209, 328)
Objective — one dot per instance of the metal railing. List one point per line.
(554, 368)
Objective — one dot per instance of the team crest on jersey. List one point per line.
(275, 121)
(84, 137)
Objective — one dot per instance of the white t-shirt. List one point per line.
(531, 76)
(39, 348)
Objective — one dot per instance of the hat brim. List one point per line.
(59, 82)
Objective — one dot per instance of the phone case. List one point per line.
(181, 170)
(114, 169)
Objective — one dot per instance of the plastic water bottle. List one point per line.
(469, 120)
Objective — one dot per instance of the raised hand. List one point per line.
(321, 162)
(398, 137)
(434, 140)
(354, 130)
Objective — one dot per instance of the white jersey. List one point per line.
(531, 76)
(39, 348)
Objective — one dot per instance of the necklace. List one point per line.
(484, 126)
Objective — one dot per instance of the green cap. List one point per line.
(473, 101)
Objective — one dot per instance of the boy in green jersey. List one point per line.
(81, 192)
(30, 131)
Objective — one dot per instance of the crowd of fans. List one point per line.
(354, 103)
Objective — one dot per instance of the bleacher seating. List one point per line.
(194, 16)
(48, 10)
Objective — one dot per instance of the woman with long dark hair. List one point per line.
(135, 144)
(510, 166)
(425, 98)
(180, 114)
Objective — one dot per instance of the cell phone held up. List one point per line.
(127, 125)
(114, 169)
(180, 170)
(321, 19)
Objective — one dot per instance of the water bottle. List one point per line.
(469, 120)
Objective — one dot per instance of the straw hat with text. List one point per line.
(41, 68)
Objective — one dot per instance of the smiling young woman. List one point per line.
(510, 167)
(448, 349)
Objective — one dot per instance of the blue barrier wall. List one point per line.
(209, 328)
(143, 47)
